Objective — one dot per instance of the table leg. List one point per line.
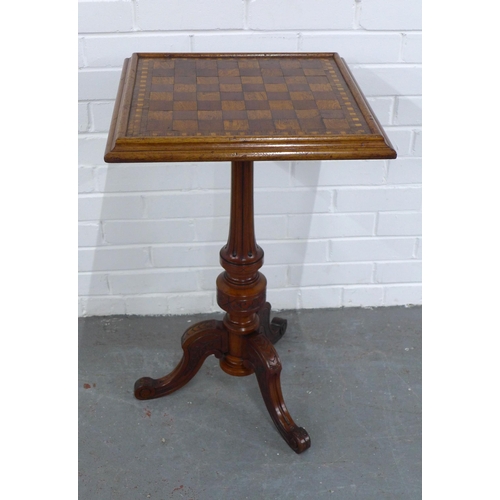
(198, 342)
(273, 329)
(263, 358)
(243, 340)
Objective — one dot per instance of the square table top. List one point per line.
(220, 107)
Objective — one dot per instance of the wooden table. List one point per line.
(240, 108)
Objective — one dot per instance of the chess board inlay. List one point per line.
(255, 96)
(204, 107)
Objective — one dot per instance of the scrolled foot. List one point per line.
(144, 388)
(198, 342)
(298, 440)
(274, 329)
(264, 359)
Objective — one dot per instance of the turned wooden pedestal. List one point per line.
(243, 340)
(240, 108)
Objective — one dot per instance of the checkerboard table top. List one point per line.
(215, 107)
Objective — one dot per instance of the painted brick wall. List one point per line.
(334, 233)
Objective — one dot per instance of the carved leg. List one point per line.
(274, 329)
(263, 358)
(198, 342)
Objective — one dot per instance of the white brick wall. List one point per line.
(334, 233)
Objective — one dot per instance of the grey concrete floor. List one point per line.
(351, 377)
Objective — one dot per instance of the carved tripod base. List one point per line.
(211, 337)
(243, 340)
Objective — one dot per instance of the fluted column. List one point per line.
(241, 288)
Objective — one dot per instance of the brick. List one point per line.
(270, 227)
(207, 277)
(86, 182)
(202, 14)
(283, 298)
(355, 47)
(378, 199)
(408, 110)
(321, 297)
(408, 294)
(103, 306)
(383, 108)
(399, 224)
(363, 296)
(412, 48)
(309, 226)
(391, 15)
(109, 51)
(211, 229)
(293, 252)
(98, 84)
(330, 274)
(417, 253)
(154, 281)
(401, 139)
(91, 149)
(296, 15)
(89, 234)
(112, 259)
(100, 115)
(93, 284)
(81, 308)
(405, 171)
(187, 204)
(416, 148)
(151, 304)
(215, 175)
(194, 192)
(292, 201)
(398, 272)
(394, 80)
(81, 53)
(272, 174)
(338, 173)
(192, 255)
(192, 303)
(371, 249)
(277, 276)
(147, 231)
(105, 17)
(83, 117)
(144, 177)
(109, 207)
(245, 42)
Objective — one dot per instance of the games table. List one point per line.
(240, 108)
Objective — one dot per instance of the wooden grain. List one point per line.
(240, 107)
(219, 107)
(243, 340)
